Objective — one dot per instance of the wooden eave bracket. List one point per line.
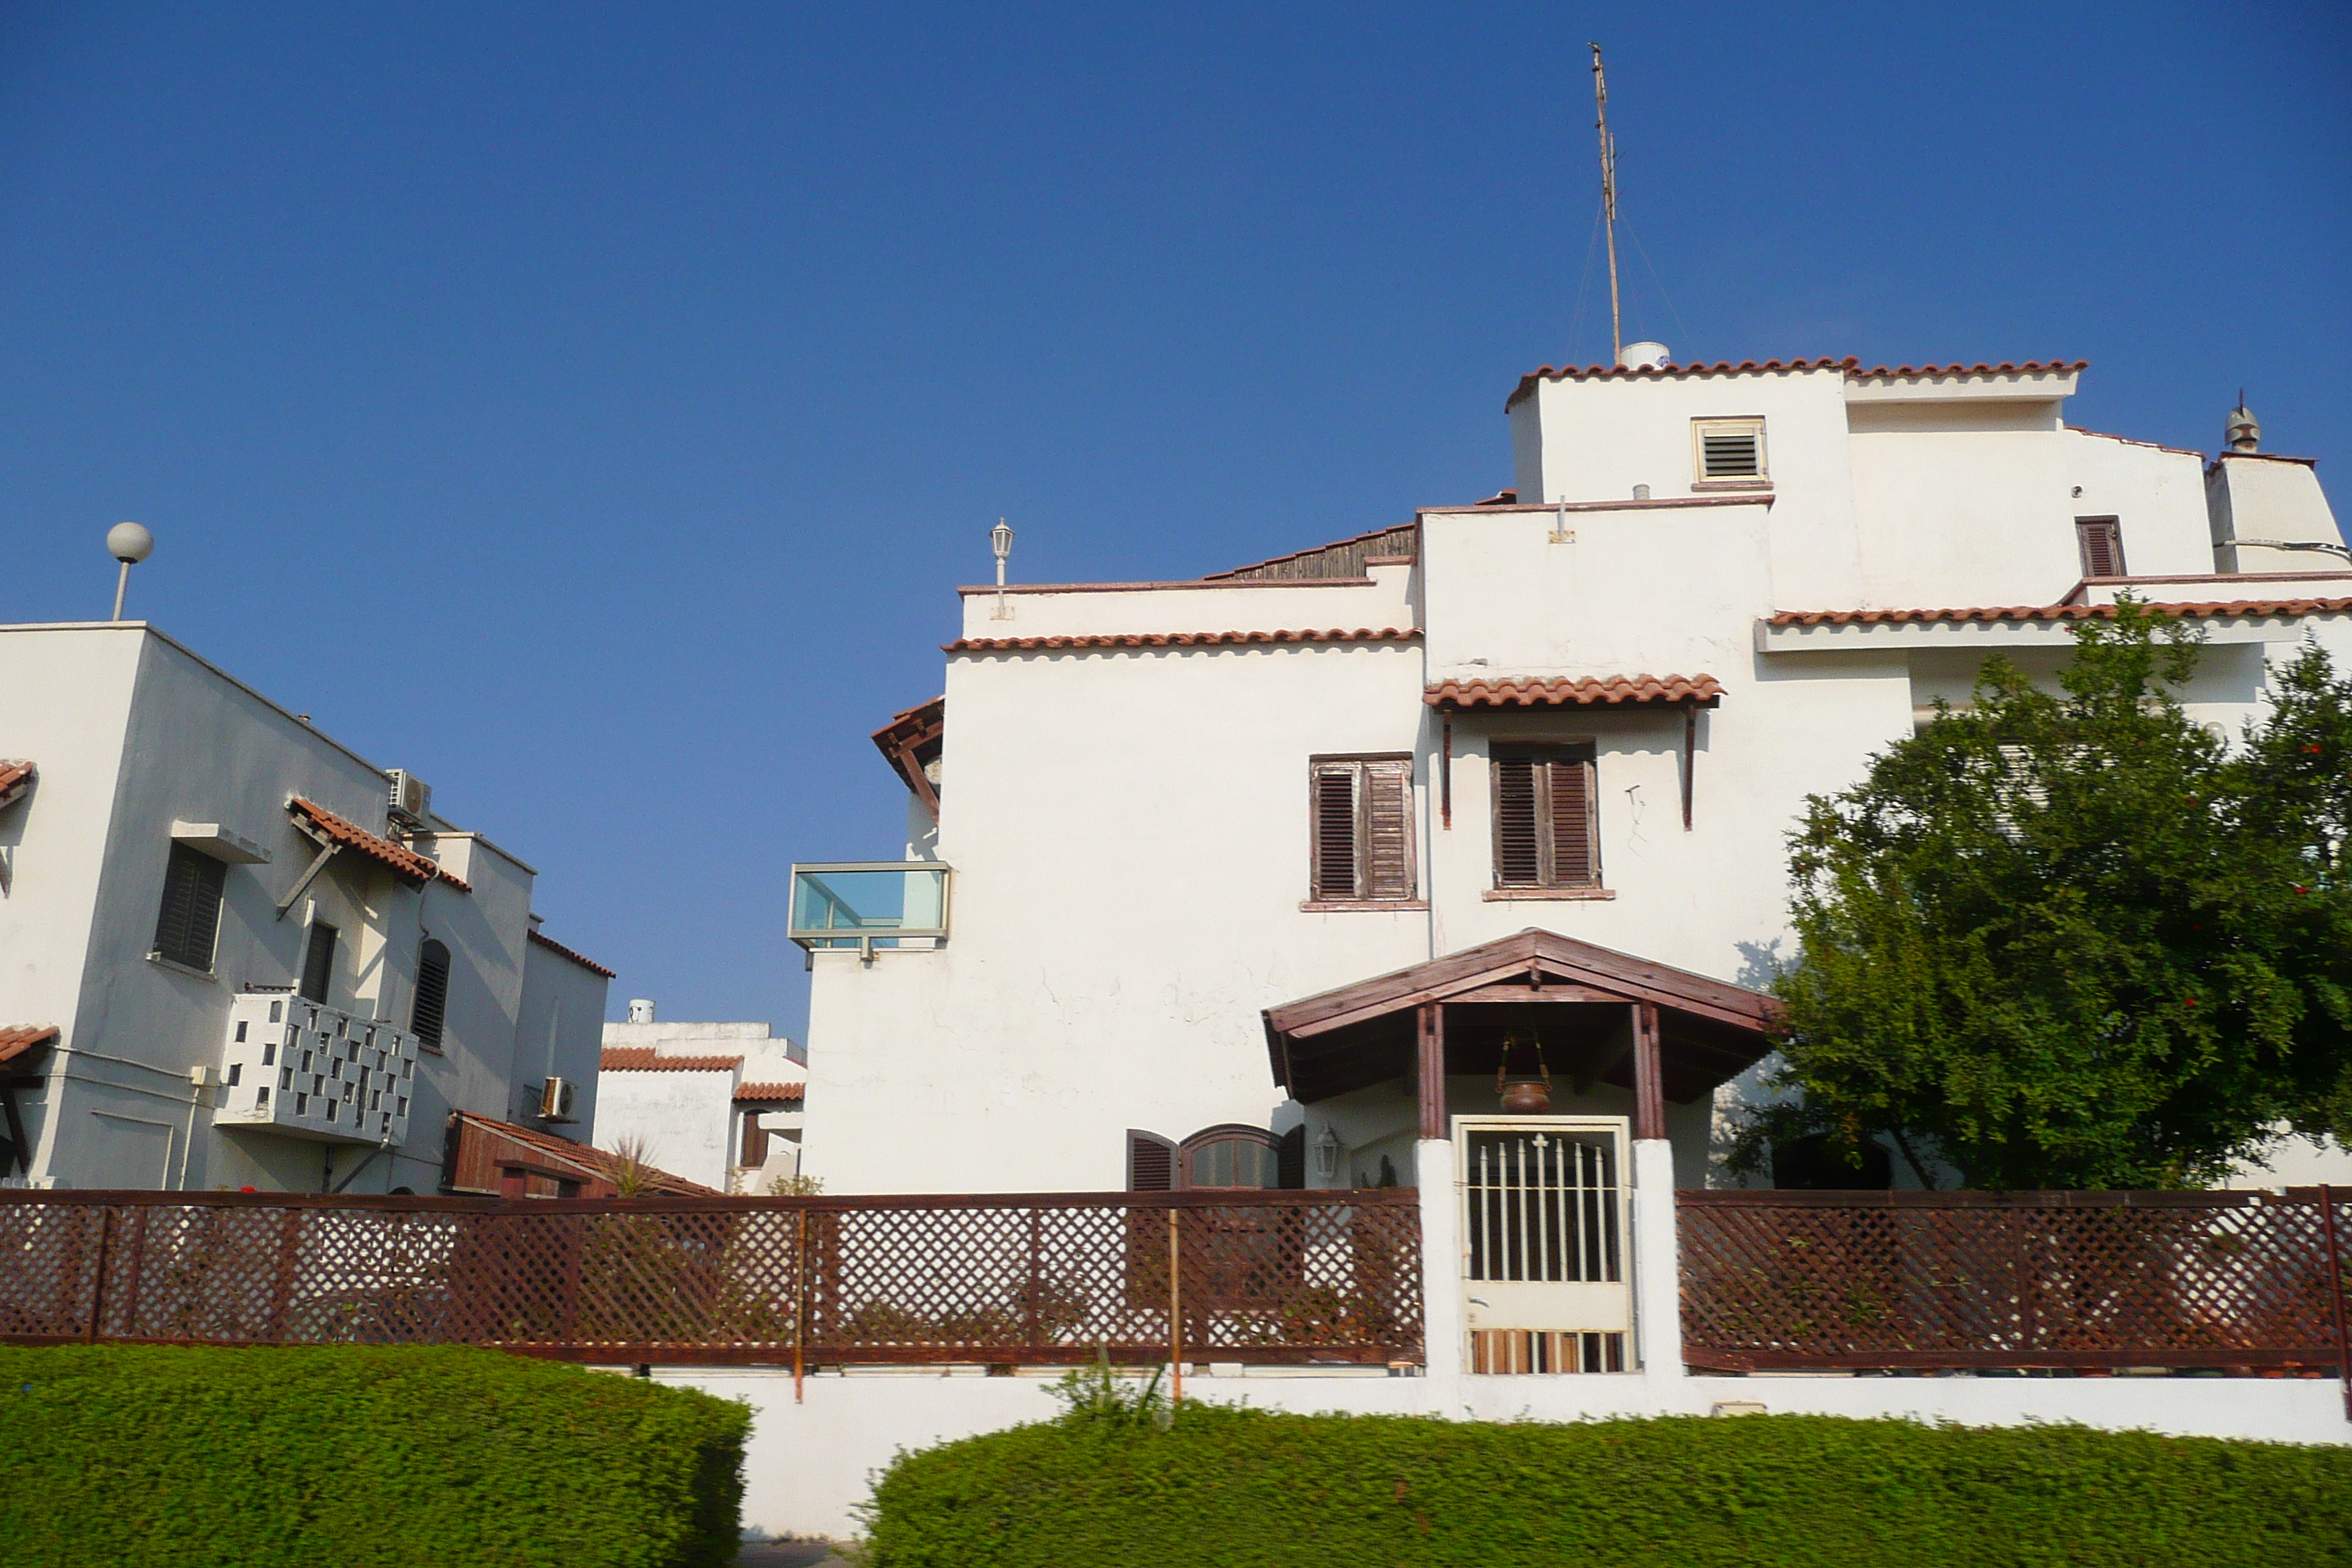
(327, 848)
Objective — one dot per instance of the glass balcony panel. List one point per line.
(867, 904)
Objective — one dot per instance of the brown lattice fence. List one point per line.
(1777, 1279)
(1283, 1277)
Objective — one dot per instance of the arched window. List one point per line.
(1230, 1156)
(432, 994)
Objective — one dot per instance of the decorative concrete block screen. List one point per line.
(1288, 1277)
(1896, 1280)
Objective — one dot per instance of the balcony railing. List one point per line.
(870, 904)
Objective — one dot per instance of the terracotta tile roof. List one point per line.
(644, 1059)
(22, 1039)
(404, 863)
(15, 778)
(1346, 559)
(581, 959)
(1851, 366)
(909, 741)
(2056, 611)
(1176, 639)
(587, 1160)
(1580, 692)
(2131, 441)
(786, 1091)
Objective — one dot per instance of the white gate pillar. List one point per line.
(1657, 1271)
(1443, 1338)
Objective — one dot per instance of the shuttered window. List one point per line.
(1547, 832)
(755, 1141)
(189, 921)
(1150, 1162)
(1728, 451)
(432, 1010)
(1361, 825)
(2102, 541)
(318, 962)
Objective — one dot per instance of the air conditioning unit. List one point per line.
(555, 1096)
(411, 798)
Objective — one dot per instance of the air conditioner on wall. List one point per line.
(555, 1098)
(411, 799)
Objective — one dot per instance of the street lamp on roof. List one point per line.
(129, 542)
(1000, 542)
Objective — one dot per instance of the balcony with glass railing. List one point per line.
(869, 906)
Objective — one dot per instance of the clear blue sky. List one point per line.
(591, 407)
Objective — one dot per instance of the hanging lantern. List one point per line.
(1523, 1096)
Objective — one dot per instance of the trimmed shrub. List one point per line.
(358, 1456)
(1254, 1489)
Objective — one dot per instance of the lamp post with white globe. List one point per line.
(130, 543)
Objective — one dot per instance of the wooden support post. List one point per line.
(1649, 1093)
(97, 1284)
(1428, 1069)
(1175, 1312)
(1690, 757)
(2336, 1279)
(800, 1307)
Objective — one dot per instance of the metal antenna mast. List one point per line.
(1607, 203)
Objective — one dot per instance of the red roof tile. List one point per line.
(2056, 611)
(1582, 691)
(1175, 639)
(786, 1092)
(479, 1150)
(1851, 366)
(22, 1039)
(2131, 441)
(911, 739)
(583, 960)
(404, 863)
(644, 1059)
(15, 778)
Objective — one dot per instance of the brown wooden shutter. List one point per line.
(1150, 1162)
(1290, 1158)
(1575, 853)
(1519, 853)
(755, 1140)
(2102, 541)
(1333, 805)
(1386, 833)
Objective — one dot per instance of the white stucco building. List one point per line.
(717, 1103)
(235, 952)
(1206, 854)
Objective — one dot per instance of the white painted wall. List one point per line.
(688, 1120)
(1128, 826)
(131, 732)
(808, 1464)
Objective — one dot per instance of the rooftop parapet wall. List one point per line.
(1382, 600)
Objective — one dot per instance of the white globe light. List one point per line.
(130, 542)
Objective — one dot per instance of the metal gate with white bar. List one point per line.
(1545, 1212)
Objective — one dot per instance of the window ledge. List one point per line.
(1514, 895)
(1354, 906)
(1732, 484)
(176, 967)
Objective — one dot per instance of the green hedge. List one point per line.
(1244, 1488)
(355, 1457)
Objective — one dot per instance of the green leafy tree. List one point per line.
(2075, 940)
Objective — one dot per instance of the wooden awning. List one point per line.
(1575, 997)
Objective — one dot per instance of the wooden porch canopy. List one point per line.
(1599, 1017)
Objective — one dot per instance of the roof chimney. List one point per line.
(2243, 435)
(641, 1010)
